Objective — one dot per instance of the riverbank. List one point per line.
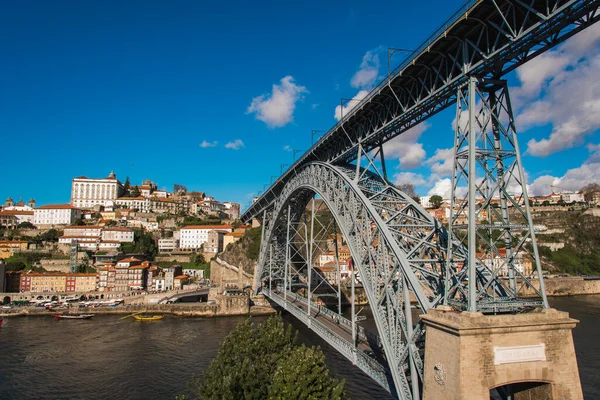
(223, 306)
(575, 286)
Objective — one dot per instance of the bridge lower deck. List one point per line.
(337, 331)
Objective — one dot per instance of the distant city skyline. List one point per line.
(218, 96)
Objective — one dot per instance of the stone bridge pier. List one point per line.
(469, 355)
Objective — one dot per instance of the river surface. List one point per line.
(110, 358)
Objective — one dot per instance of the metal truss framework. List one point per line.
(485, 38)
(490, 217)
(396, 246)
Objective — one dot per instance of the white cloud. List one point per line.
(287, 147)
(363, 79)
(277, 109)
(573, 180)
(206, 144)
(442, 162)
(235, 145)
(595, 153)
(412, 178)
(314, 106)
(366, 75)
(405, 147)
(342, 111)
(535, 73)
(542, 185)
(568, 81)
(443, 188)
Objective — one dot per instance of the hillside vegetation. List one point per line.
(245, 251)
(580, 233)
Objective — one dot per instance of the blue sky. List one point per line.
(214, 96)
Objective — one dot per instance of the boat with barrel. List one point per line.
(73, 316)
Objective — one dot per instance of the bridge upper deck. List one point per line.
(484, 38)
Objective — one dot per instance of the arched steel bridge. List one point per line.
(399, 253)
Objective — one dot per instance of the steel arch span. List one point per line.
(398, 250)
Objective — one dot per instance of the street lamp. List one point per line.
(391, 51)
(273, 176)
(296, 152)
(281, 166)
(312, 135)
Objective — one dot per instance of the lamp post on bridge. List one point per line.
(281, 166)
(345, 100)
(390, 53)
(312, 135)
(296, 152)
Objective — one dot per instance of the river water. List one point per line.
(110, 358)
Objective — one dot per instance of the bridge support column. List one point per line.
(522, 356)
(492, 219)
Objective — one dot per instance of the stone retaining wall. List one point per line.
(223, 306)
(567, 286)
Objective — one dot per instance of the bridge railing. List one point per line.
(363, 334)
(366, 363)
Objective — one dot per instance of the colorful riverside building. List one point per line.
(40, 282)
(128, 274)
(10, 247)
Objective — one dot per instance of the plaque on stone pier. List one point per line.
(518, 354)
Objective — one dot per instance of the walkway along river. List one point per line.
(110, 358)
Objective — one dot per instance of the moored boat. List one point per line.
(0, 321)
(73, 316)
(145, 318)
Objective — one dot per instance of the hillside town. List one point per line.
(119, 238)
(114, 237)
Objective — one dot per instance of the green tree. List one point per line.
(254, 238)
(78, 222)
(51, 235)
(258, 362)
(409, 189)
(112, 222)
(302, 374)
(126, 186)
(436, 201)
(135, 192)
(26, 225)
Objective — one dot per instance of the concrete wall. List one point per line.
(224, 275)
(55, 265)
(223, 306)
(180, 258)
(567, 287)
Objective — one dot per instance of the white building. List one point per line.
(168, 244)
(116, 234)
(326, 258)
(96, 237)
(55, 214)
(10, 205)
(570, 197)
(232, 209)
(90, 192)
(194, 236)
(83, 231)
(139, 204)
